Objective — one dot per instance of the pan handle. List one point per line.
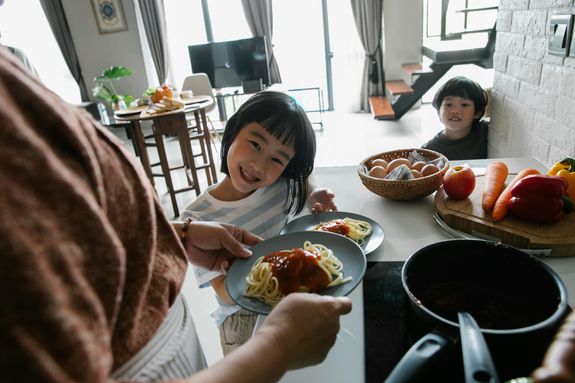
(477, 361)
(418, 358)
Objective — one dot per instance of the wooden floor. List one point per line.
(345, 140)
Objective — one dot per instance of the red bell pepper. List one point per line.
(539, 198)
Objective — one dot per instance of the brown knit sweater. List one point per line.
(89, 265)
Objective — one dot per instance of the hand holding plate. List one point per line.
(306, 326)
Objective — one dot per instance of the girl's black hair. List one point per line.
(282, 117)
(465, 88)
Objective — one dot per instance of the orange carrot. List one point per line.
(495, 177)
(501, 206)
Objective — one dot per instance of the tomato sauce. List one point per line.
(336, 226)
(296, 269)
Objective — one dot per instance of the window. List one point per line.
(228, 20)
(185, 26)
(461, 16)
(348, 57)
(17, 20)
(299, 51)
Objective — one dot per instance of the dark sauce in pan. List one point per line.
(492, 307)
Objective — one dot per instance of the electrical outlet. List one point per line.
(560, 33)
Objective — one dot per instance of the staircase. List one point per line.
(445, 51)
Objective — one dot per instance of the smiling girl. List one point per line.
(460, 104)
(267, 155)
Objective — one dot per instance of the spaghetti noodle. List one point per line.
(349, 227)
(312, 268)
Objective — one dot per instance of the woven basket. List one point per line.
(402, 189)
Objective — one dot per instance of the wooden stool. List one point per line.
(175, 125)
(202, 134)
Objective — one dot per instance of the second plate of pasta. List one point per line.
(368, 240)
(342, 261)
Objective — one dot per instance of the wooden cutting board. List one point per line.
(468, 216)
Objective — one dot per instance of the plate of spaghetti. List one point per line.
(367, 233)
(316, 262)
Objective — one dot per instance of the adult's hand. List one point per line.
(305, 326)
(214, 245)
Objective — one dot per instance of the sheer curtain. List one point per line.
(348, 58)
(185, 26)
(57, 19)
(368, 16)
(154, 20)
(300, 50)
(17, 19)
(260, 19)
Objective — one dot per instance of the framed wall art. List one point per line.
(109, 16)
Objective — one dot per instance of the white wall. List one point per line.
(97, 52)
(533, 92)
(403, 31)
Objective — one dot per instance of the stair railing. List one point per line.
(444, 14)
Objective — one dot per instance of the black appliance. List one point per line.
(231, 63)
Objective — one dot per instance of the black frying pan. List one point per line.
(517, 300)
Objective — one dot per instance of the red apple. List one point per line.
(459, 182)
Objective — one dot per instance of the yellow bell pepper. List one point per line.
(565, 169)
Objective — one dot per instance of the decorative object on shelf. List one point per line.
(104, 87)
(109, 16)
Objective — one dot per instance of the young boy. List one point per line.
(460, 104)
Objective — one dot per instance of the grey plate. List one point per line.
(308, 222)
(348, 252)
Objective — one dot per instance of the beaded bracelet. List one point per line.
(184, 227)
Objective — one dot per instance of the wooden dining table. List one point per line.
(408, 226)
(198, 109)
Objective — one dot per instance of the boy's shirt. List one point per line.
(472, 146)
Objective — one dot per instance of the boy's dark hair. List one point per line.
(465, 88)
(281, 116)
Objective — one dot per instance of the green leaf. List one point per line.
(570, 163)
(102, 92)
(567, 204)
(116, 72)
(149, 92)
(128, 99)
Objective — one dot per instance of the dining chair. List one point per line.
(200, 85)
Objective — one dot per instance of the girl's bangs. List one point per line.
(282, 128)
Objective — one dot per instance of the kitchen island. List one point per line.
(408, 226)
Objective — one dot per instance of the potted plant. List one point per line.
(104, 87)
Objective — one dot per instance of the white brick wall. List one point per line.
(533, 92)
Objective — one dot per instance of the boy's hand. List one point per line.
(321, 200)
(214, 245)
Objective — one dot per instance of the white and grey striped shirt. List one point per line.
(262, 213)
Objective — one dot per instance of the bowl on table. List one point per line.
(403, 189)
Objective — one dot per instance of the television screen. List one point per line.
(228, 63)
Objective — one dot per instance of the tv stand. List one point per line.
(310, 98)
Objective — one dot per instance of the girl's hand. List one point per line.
(321, 200)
